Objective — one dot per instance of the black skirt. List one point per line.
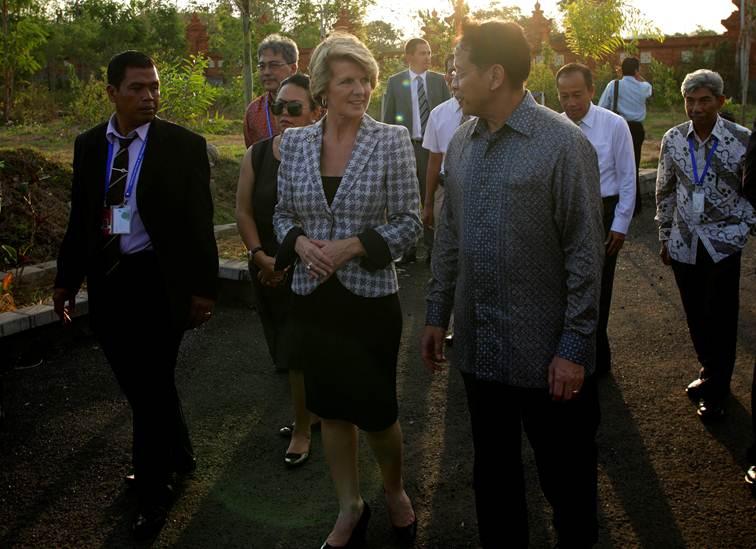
(347, 346)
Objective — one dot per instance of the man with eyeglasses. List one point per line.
(277, 58)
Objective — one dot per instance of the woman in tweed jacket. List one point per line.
(348, 206)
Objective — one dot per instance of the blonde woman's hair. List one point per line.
(339, 46)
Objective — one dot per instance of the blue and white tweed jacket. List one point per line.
(379, 191)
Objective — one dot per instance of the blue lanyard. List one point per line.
(132, 175)
(691, 146)
(267, 117)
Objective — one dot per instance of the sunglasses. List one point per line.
(293, 108)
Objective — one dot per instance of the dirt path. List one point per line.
(665, 479)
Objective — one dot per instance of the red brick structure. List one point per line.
(197, 42)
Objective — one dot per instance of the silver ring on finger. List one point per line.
(308, 267)
(576, 391)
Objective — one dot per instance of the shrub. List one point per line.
(230, 99)
(36, 104)
(542, 79)
(666, 86)
(185, 93)
(89, 104)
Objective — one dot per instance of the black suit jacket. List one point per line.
(175, 204)
(397, 100)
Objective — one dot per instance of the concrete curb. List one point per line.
(35, 316)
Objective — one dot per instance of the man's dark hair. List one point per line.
(630, 65)
(303, 81)
(498, 43)
(449, 61)
(412, 44)
(122, 61)
(280, 45)
(572, 68)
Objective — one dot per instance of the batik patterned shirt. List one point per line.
(519, 248)
(727, 217)
(259, 122)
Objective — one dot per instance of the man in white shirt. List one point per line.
(627, 97)
(610, 136)
(442, 123)
(410, 97)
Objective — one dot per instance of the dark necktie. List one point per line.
(422, 103)
(119, 175)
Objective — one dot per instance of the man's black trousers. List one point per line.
(638, 133)
(603, 351)
(710, 294)
(562, 435)
(131, 317)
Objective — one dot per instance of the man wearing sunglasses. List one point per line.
(277, 58)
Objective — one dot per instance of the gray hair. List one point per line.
(703, 78)
(282, 45)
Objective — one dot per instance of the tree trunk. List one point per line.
(7, 73)
(247, 60)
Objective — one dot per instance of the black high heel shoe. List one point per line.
(406, 535)
(357, 537)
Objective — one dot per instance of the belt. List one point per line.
(610, 199)
(418, 141)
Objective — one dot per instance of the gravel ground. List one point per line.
(665, 479)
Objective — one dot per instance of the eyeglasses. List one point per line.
(294, 108)
(272, 65)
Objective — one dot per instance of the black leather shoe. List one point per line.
(695, 389)
(750, 476)
(148, 521)
(293, 460)
(181, 472)
(357, 538)
(708, 409)
(406, 535)
(449, 339)
(409, 257)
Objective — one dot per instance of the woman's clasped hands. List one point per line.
(322, 258)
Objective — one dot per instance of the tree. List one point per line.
(382, 37)
(22, 34)
(595, 28)
(245, 8)
(439, 32)
(498, 11)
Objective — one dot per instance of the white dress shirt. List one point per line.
(138, 240)
(442, 123)
(417, 127)
(610, 136)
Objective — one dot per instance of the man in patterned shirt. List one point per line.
(703, 222)
(518, 256)
(277, 58)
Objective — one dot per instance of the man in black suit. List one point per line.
(409, 98)
(141, 233)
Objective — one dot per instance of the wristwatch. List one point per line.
(251, 253)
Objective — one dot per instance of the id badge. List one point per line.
(698, 201)
(121, 220)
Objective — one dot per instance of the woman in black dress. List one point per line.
(256, 197)
(348, 206)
